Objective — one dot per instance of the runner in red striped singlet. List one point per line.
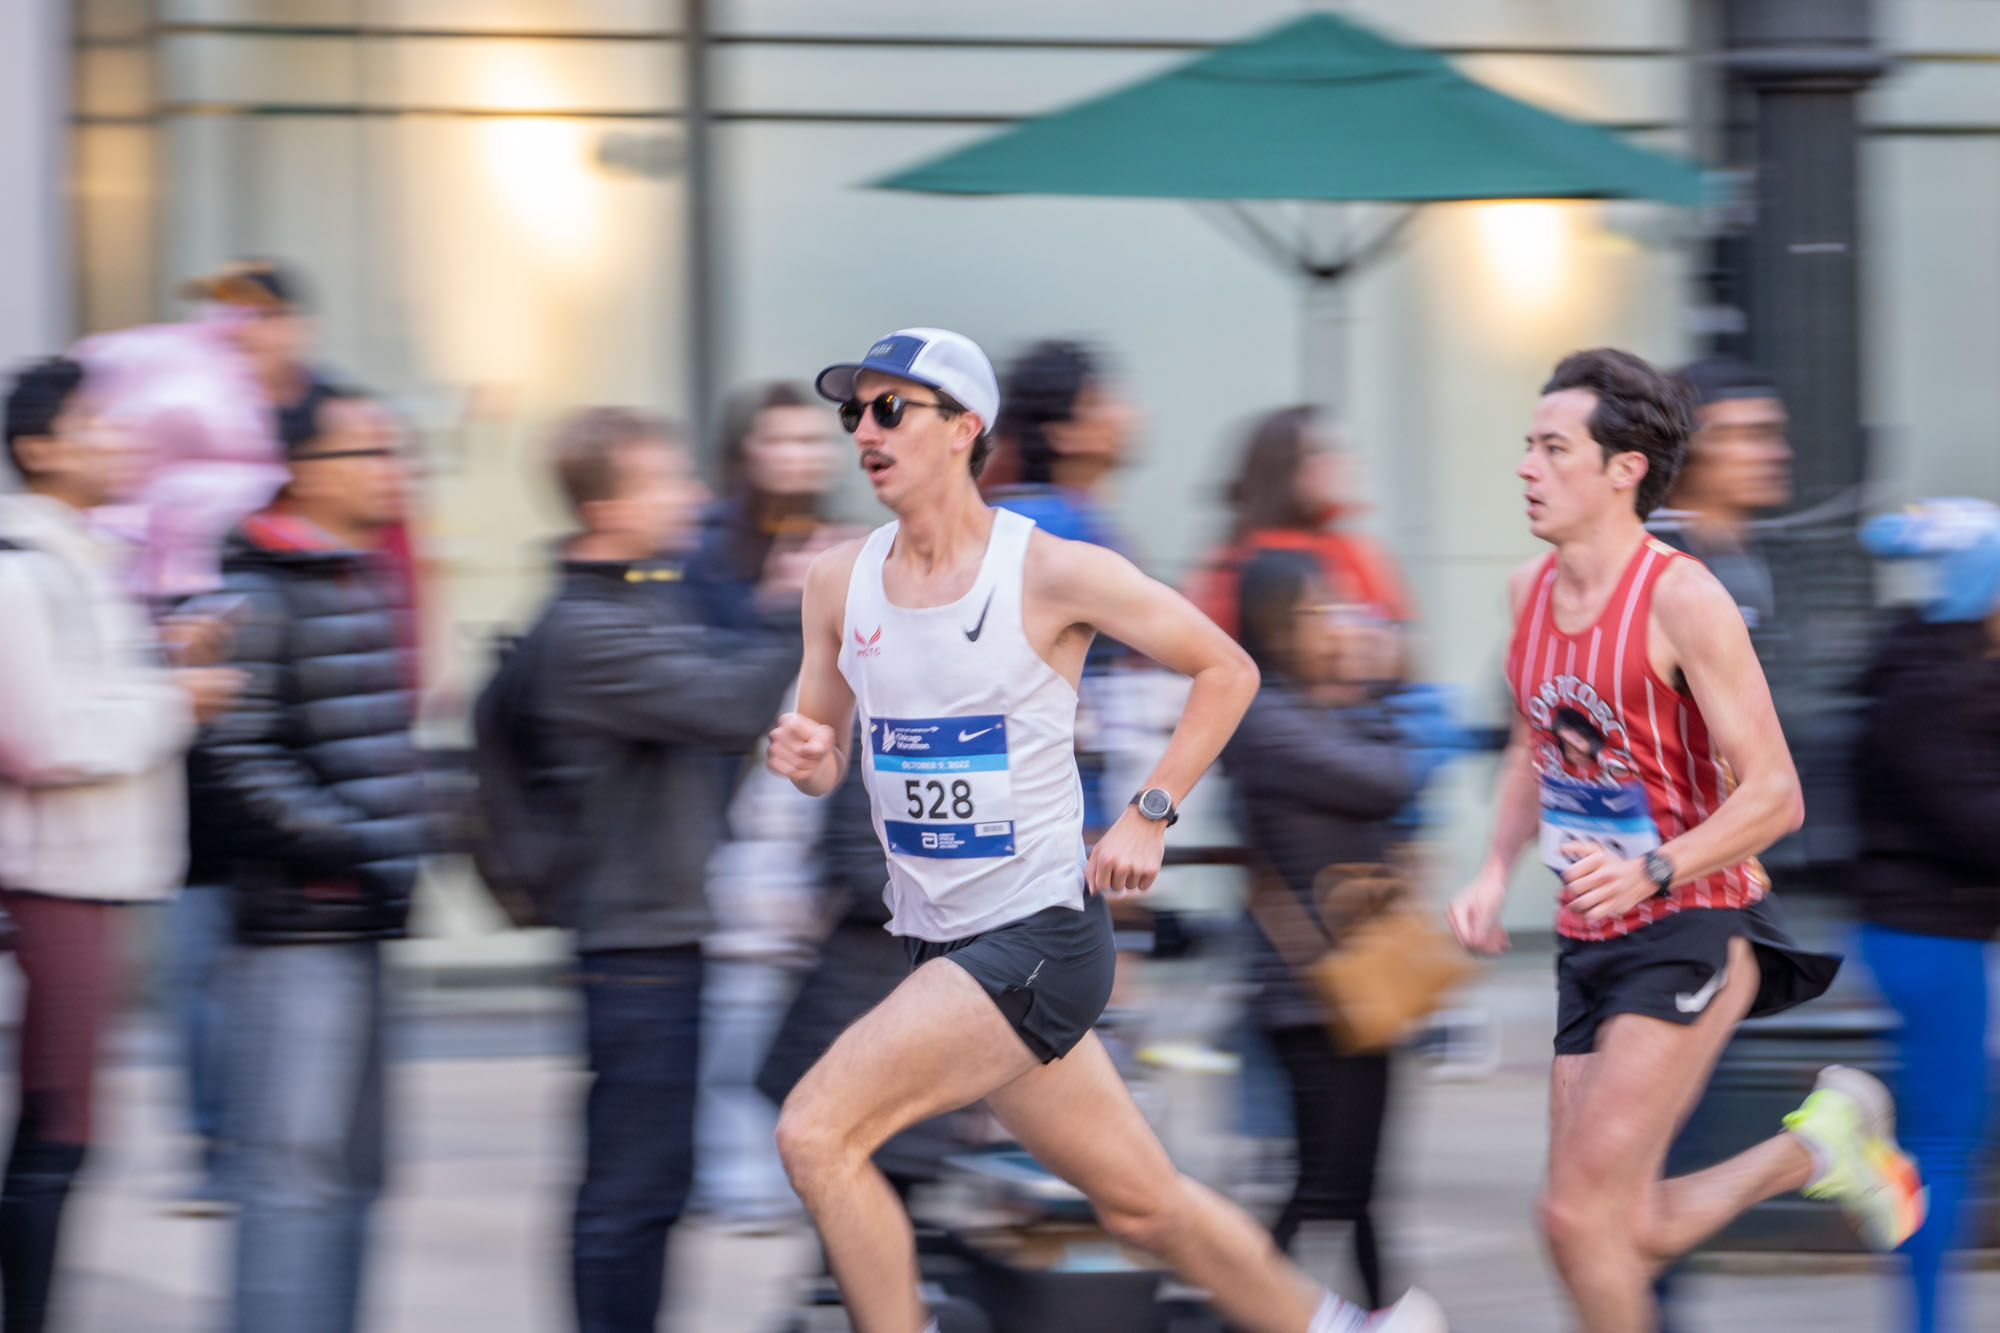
(1648, 765)
(1623, 746)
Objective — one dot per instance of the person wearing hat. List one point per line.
(958, 633)
(1927, 879)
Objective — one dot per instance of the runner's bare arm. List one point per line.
(1517, 814)
(1475, 914)
(1076, 583)
(1698, 623)
(1097, 587)
(1712, 649)
(809, 745)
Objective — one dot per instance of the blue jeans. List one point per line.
(306, 1106)
(203, 935)
(642, 1035)
(1938, 985)
(737, 1172)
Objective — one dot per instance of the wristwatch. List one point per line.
(1157, 803)
(1661, 871)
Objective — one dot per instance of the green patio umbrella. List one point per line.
(1317, 109)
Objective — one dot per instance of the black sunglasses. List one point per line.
(347, 453)
(888, 410)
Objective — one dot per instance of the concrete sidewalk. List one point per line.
(472, 1235)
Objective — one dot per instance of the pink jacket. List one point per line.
(189, 398)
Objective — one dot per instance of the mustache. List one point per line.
(874, 456)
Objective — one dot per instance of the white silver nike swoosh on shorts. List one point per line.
(1693, 1002)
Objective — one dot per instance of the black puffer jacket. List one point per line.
(314, 772)
(1313, 787)
(1927, 782)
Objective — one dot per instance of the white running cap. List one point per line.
(947, 361)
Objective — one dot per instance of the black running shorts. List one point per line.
(1050, 973)
(1672, 969)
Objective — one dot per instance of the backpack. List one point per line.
(521, 836)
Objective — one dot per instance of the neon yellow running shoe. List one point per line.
(1848, 1124)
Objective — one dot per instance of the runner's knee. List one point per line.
(812, 1143)
(1574, 1217)
(1150, 1219)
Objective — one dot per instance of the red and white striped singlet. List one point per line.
(1623, 758)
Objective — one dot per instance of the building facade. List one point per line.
(511, 207)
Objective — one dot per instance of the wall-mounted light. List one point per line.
(1526, 245)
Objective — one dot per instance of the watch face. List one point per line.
(1154, 803)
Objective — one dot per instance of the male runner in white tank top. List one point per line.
(959, 632)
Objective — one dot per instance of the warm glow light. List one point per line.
(542, 179)
(1528, 253)
(539, 169)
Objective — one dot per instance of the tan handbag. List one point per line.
(1392, 966)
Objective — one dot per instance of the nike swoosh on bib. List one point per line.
(1693, 1002)
(965, 736)
(973, 633)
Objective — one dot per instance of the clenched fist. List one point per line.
(1127, 858)
(803, 751)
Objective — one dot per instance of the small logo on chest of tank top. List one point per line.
(980, 624)
(871, 646)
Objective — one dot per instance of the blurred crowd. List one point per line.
(211, 676)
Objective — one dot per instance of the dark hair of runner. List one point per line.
(1041, 390)
(37, 397)
(982, 448)
(1265, 493)
(1639, 411)
(587, 446)
(1269, 591)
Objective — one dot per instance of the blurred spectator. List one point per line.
(1063, 431)
(315, 776)
(1317, 769)
(1927, 782)
(91, 804)
(1292, 493)
(1739, 465)
(630, 698)
(201, 397)
(1291, 486)
(777, 462)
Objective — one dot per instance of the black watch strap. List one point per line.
(1661, 871)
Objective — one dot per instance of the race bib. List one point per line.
(942, 786)
(1617, 819)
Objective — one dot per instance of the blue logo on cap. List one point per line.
(894, 353)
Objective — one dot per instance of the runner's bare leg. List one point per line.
(935, 1044)
(1607, 1216)
(1078, 1119)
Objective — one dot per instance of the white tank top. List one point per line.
(967, 747)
